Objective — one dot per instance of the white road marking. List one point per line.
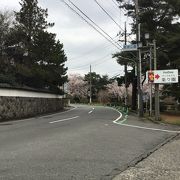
(152, 129)
(61, 120)
(90, 112)
(139, 127)
(53, 114)
(120, 116)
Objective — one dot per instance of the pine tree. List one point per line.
(50, 58)
(30, 20)
(6, 67)
(160, 19)
(39, 58)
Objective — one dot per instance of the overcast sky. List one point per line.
(82, 44)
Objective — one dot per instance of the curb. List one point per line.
(115, 172)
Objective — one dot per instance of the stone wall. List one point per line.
(15, 104)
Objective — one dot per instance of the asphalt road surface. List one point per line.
(80, 144)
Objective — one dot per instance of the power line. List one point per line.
(100, 59)
(97, 64)
(87, 65)
(90, 51)
(92, 21)
(121, 10)
(108, 14)
(115, 3)
(93, 25)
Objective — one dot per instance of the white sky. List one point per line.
(82, 44)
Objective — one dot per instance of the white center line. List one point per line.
(153, 129)
(91, 111)
(61, 120)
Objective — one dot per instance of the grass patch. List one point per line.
(171, 119)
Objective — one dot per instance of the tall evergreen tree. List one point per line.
(30, 20)
(160, 19)
(39, 58)
(50, 58)
(6, 66)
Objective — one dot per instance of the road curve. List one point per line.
(80, 144)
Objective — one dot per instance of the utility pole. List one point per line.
(150, 69)
(157, 114)
(150, 98)
(140, 98)
(90, 95)
(125, 69)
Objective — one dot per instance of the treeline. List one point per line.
(100, 88)
(29, 54)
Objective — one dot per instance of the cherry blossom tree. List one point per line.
(77, 87)
(117, 93)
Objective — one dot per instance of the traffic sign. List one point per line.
(163, 76)
(130, 47)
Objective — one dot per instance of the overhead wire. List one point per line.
(92, 24)
(108, 14)
(91, 51)
(102, 58)
(115, 3)
(92, 21)
(92, 63)
(123, 11)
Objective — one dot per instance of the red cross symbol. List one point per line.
(157, 76)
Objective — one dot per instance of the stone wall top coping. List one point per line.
(27, 93)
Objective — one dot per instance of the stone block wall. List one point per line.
(16, 107)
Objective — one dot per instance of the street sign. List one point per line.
(163, 76)
(130, 47)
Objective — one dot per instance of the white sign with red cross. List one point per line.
(165, 76)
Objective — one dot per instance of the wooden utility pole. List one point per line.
(157, 112)
(90, 88)
(150, 98)
(140, 98)
(125, 69)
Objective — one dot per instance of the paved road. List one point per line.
(80, 144)
(163, 164)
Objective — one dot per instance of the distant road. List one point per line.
(80, 144)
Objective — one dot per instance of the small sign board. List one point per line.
(130, 47)
(163, 76)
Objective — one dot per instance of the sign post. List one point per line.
(163, 76)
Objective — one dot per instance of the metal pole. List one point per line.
(90, 96)
(157, 114)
